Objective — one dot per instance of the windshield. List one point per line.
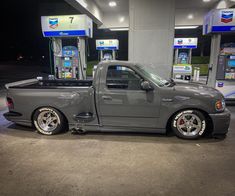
(150, 72)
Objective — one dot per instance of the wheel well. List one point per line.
(67, 124)
(207, 117)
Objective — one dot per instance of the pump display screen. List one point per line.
(67, 63)
(68, 53)
(231, 63)
(183, 58)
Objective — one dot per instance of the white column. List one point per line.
(151, 33)
(114, 54)
(190, 56)
(101, 55)
(176, 56)
(215, 50)
(82, 56)
(57, 54)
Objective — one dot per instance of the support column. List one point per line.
(114, 54)
(101, 55)
(190, 56)
(151, 34)
(57, 54)
(82, 61)
(215, 50)
(176, 56)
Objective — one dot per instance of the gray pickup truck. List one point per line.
(123, 96)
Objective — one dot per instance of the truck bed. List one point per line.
(49, 84)
(70, 97)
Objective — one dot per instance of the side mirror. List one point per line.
(145, 85)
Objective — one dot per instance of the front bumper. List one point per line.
(221, 122)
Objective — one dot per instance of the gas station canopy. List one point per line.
(115, 14)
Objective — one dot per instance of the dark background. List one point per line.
(21, 32)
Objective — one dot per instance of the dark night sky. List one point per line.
(21, 30)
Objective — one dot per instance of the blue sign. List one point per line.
(219, 21)
(186, 47)
(64, 33)
(66, 26)
(220, 84)
(223, 28)
(107, 48)
(186, 43)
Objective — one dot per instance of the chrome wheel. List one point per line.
(48, 121)
(189, 124)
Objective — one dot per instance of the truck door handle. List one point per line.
(106, 97)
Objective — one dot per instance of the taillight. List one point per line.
(10, 103)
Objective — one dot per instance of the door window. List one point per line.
(122, 77)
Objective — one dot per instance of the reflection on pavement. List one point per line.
(2, 100)
(3, 109)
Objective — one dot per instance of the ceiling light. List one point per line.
(206, 1)
(119, 29)
(186, 27)
(190, 16)
(222, 5)
(112, 3)
(121, 19)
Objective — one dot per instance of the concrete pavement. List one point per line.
(113, 164)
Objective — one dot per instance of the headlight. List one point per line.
(220, 105)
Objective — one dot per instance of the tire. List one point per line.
(49, 121)
(189, 124)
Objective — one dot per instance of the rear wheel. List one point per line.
(189, 124)
(49, 121)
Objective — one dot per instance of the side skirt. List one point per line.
(95, 128)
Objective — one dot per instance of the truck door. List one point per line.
(122, 102)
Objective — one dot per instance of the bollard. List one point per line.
(196, 74)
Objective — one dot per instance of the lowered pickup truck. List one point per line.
(123, 96)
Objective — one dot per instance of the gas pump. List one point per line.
(67, 65)
(221, 73)
(225, 75)
(107, 49)
(69, 60)
(182, 68)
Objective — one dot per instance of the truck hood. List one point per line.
(197, 90)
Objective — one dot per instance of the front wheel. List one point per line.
(49, 121)
(189, 124)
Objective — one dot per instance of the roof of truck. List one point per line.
(114, 62)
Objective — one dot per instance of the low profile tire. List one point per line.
(49, 121)
(189, 124)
